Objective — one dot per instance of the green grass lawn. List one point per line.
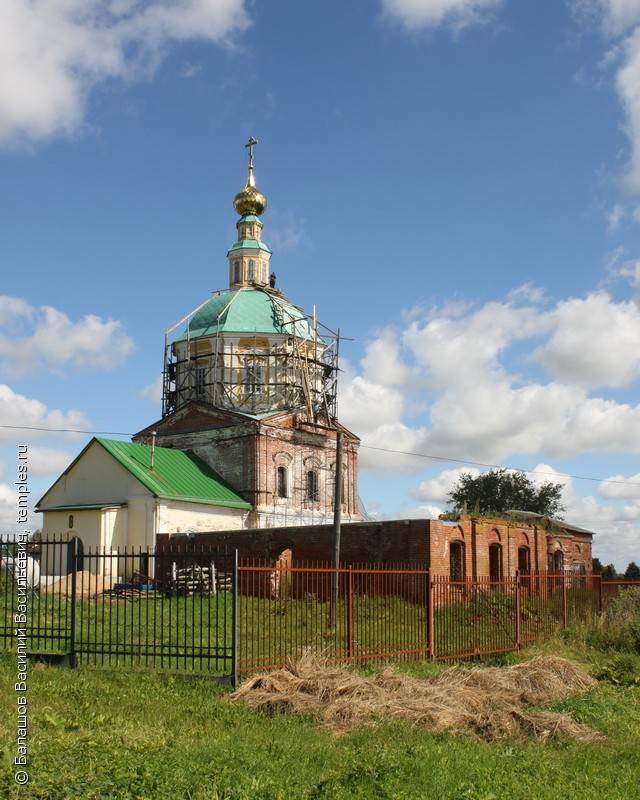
(142, 736)
(174, 632)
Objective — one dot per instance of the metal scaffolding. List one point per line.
(255, 372)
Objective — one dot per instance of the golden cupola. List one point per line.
(249, 257)
(250, 200)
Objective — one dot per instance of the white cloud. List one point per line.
(437, 488)
(628, 86)
(153, 391)
(8, 506)
(18, 412)
(54, 52)
(612, 357)
(418, 14)
(615, 217)
(44, 337)
(383, 354)
(421, 512)
(476, 389)
(619, 15)
(47, 461)
(618, 487)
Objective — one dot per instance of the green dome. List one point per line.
(248, 310)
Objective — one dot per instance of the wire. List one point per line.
(65, 430)
(499, 466)
(370, 447)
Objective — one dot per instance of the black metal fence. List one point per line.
(130, 608)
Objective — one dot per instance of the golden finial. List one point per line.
(250, 200)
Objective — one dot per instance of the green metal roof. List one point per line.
(248, 310)
(176, 475)
(249, 244)
(250, 218)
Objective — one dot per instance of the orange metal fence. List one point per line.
(363, 613)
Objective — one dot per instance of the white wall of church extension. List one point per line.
(179, 517)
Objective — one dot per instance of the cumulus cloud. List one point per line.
(419, 14)
(437, 488)
(18, 412)
(618, 487)
(45, 337)
(503, 379)
(48, 461)
(54, 52)
(613, 328)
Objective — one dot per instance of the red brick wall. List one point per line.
(390, 542)
(422, 541)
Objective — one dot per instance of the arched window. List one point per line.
(70, 520)
(456, 561)
(524, 559)
(558, 561)
(495, 561)
(281, 482)
(251, 270)
(236, 272)
(313, 492)
(75, 555)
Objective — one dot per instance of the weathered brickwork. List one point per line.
(467, 547)
(247, 453)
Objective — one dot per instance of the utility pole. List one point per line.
(337, 512)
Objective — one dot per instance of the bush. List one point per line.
(622, 670)
(620, 624)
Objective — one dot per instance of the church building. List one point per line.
(248, 436)
(249, 440)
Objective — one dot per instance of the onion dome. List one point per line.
(250, 200)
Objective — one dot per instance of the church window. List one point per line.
(200, 379)
(495, 561)
(236, 271)
(263, 271)
(524, 559)
(456, 560)
(281, 476)
(251, 270)
(253, 377)
(313, 493)
(71, 520)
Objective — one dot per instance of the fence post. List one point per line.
(518, 610)
(565, 611)
(430, 637)
(72, 620)
(599, 578)
(350, 615)
(234, 623)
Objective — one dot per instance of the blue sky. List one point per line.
(454, 184)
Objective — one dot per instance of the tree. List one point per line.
(500, 490)
(607, 571)
(632, 573)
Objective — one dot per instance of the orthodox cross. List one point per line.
(250, 145)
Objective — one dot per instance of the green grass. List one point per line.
(102, 735)
(171, 633)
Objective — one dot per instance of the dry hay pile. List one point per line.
(482, 703)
